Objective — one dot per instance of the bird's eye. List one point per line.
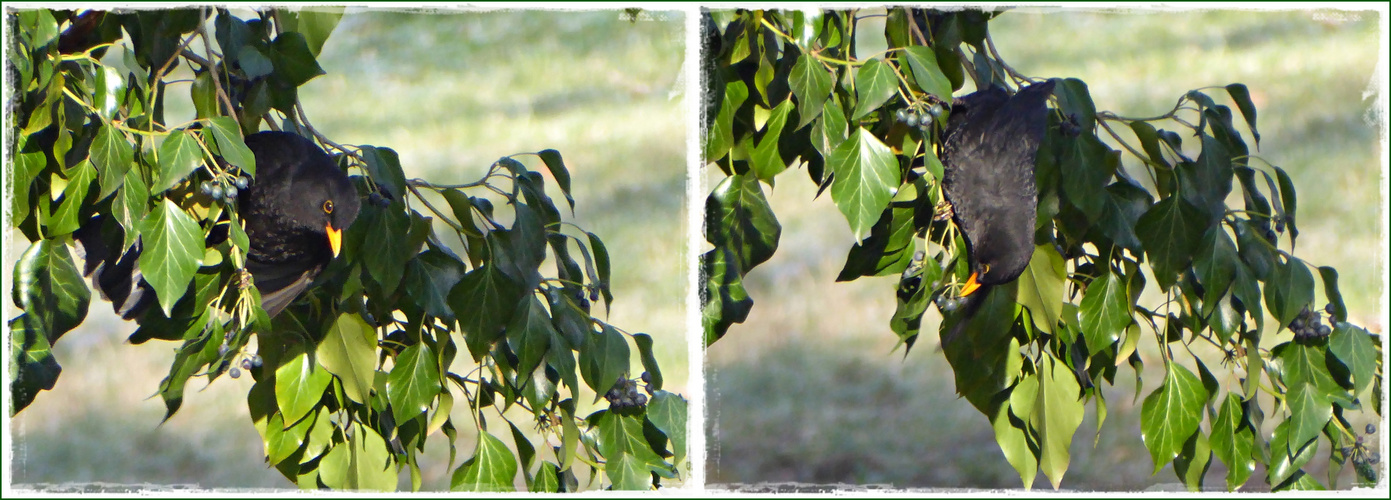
(328, 207)
(986, 267)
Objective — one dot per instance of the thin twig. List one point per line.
(217, 82)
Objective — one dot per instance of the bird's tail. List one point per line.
(115, 275)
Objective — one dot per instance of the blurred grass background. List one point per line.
(807, 389)
(451, 92)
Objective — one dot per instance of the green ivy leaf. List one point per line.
(385, 258)
(362, 463)
(1232, 440)
(667, 412)
(113, 156)
(811, 83)
(315, 23)
(173, 247)
(429, 277)
(492, 468)
(875, 83)
(723, 300)
(737, 216)
(529, 334)
(926, 73)
(229, 141)
(1105, 311)
(50, 290)
(349, 351)
(603, 359)
(1354, 349)
(282, 441)
(484, 301)
(68, 217)
(1288, 290)
(1041, 287)
(721, 136)
(766, 160)
(1309, 411)
(178, 156)
(1170, 415)
(204, 96)
(866, 177)
(1057, 413)
(556, 165)
(1242, 97)
(547, 479)
(1285, 464)
(1170, 233)
(293, 59)
(414, 381)
(299, 385)
(630, 460)
(649, 360)
(1192, 463)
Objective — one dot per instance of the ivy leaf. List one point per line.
(293, 60)
(1041, 287)
(282, 441)
(349, 351)
(1232, 441)
(1288, 290)
(1171, 414)
(1169, 232)
(299, 385)
(492, 468)
(50, 290)
(547, 479)
(68, 217)
(866, 177)
(667, 412)
(1056, 415)
(723, 300)
(362, 463)
(603, 359)
(178, 156)
(529, 334)
(484, 301)
(811, 83)
(173, 247)
(737, 216)
(414, 381)
(130, 206)
(1283, 463)
(1354, 349)
(874, 84)
(721, 136)
(766, 160)
(229, 142)
(1215, 264)
(1242, 97)
(112, 156)
(556, 165)
(384, 165)
(429, 277)
(649, 361)
(1105, 311)
(1192, 463)
(926, 73)
(630, 459)
(1309, 411)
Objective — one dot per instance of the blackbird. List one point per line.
(295, 212)
(988, 158)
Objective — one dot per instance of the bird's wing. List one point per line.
(280, 284)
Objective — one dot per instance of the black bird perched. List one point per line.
(295, 212)
(988, 158)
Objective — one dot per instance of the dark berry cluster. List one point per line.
(1070, 128)
(248, 362)
(224, 188)
(1363, 458)
(1310, 325)
(914, 118)
(624, 393)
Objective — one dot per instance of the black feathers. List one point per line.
(295, 212)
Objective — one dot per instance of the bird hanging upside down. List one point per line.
(295, 212)
(988, 154)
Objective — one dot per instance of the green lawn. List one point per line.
(451, 92)
(807, 389)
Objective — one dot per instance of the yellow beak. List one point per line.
(335, 238)
(970, 287)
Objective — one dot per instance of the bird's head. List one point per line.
(995, 268)
(330, 205)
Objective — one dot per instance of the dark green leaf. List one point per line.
(384, 165)
(1242, 97)
(529, 333)
(667, 412)
(1354, 349)
(1170, 232)
(68, 217)
(547, 479)
(484, 301)
(1075, 99)
(293, 59)
(1329, 276)
(737, 216)
(1309, 411)
(1289, 289)
(1192, 462)
(723, 299)
(556, 165)
(630, 459)
(429, 277)
(315, 23)
(603, 359)
(721, 135)
(766, 160)
(649, 360)
(349, 351)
